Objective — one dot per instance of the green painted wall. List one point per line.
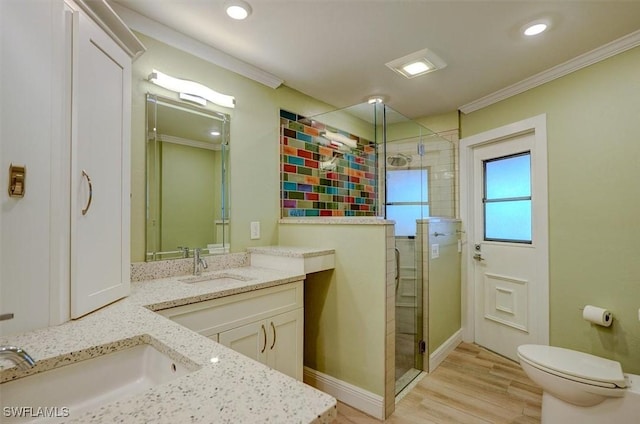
(345, 308)
(190, 197)
(254, 155)
(593, 124)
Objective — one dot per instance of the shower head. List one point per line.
(399, 160)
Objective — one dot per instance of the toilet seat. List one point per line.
(572, 365)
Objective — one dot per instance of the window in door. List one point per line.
(507, 198)
(407, 198)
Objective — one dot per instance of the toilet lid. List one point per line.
(574, 365)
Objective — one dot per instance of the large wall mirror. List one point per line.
(187, 180)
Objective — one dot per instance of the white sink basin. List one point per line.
(69, 391)
(217, 278)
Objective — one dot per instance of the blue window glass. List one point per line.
(407, 185)
(405, 217)
(407, 199)
(507, 199)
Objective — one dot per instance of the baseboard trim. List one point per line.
(444, 349)
(354, 396)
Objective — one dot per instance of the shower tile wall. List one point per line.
(320, 178)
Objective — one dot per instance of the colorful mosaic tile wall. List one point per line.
(325, 171)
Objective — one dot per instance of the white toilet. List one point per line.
(583, 388)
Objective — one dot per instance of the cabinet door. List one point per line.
(249, 340)
(286, 343)
(99, 169)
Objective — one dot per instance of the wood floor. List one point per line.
(471, 386)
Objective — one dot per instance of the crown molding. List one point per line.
(601, 53)
(108, 20)
(180, 41)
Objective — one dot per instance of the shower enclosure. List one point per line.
(419, 183)
(369, 160)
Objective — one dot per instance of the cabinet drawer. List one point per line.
(217, 315)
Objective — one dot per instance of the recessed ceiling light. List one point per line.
(415, 68)
(237, 9)
(375, 99)
(535, 28)
(418, 63)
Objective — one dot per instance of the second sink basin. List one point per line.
(68, 391)
(217, 278)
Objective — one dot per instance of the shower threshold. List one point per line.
(406, 379)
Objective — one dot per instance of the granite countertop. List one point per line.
(291, 251)
(333, 220)
(225, 386)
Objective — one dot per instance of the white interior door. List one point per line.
(508, 239)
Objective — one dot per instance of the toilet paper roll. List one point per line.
(597, 315)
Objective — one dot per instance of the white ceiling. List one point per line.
(336, 50)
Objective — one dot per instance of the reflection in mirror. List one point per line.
(187, 180)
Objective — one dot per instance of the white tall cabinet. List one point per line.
(100, 156)
(100, 168)
(65, 107)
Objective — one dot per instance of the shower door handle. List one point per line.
(397, 268)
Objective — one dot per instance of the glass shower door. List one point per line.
(407, 201)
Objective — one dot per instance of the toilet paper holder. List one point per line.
(597, 315)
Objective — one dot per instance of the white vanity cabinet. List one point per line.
(273, 341)
(100, 162)
(266, 325)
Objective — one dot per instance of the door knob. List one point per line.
(478, 257)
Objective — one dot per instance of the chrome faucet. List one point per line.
(21, 358)
(198, 262)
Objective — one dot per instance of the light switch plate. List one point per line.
(255, 230)
(435, 251)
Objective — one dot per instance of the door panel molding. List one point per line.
(540, 226)
(507, 301)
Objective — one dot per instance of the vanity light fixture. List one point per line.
(237, 9)
(215, 133)
(191, 91)
(416, 64)
(338, 139)
(194, 99)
